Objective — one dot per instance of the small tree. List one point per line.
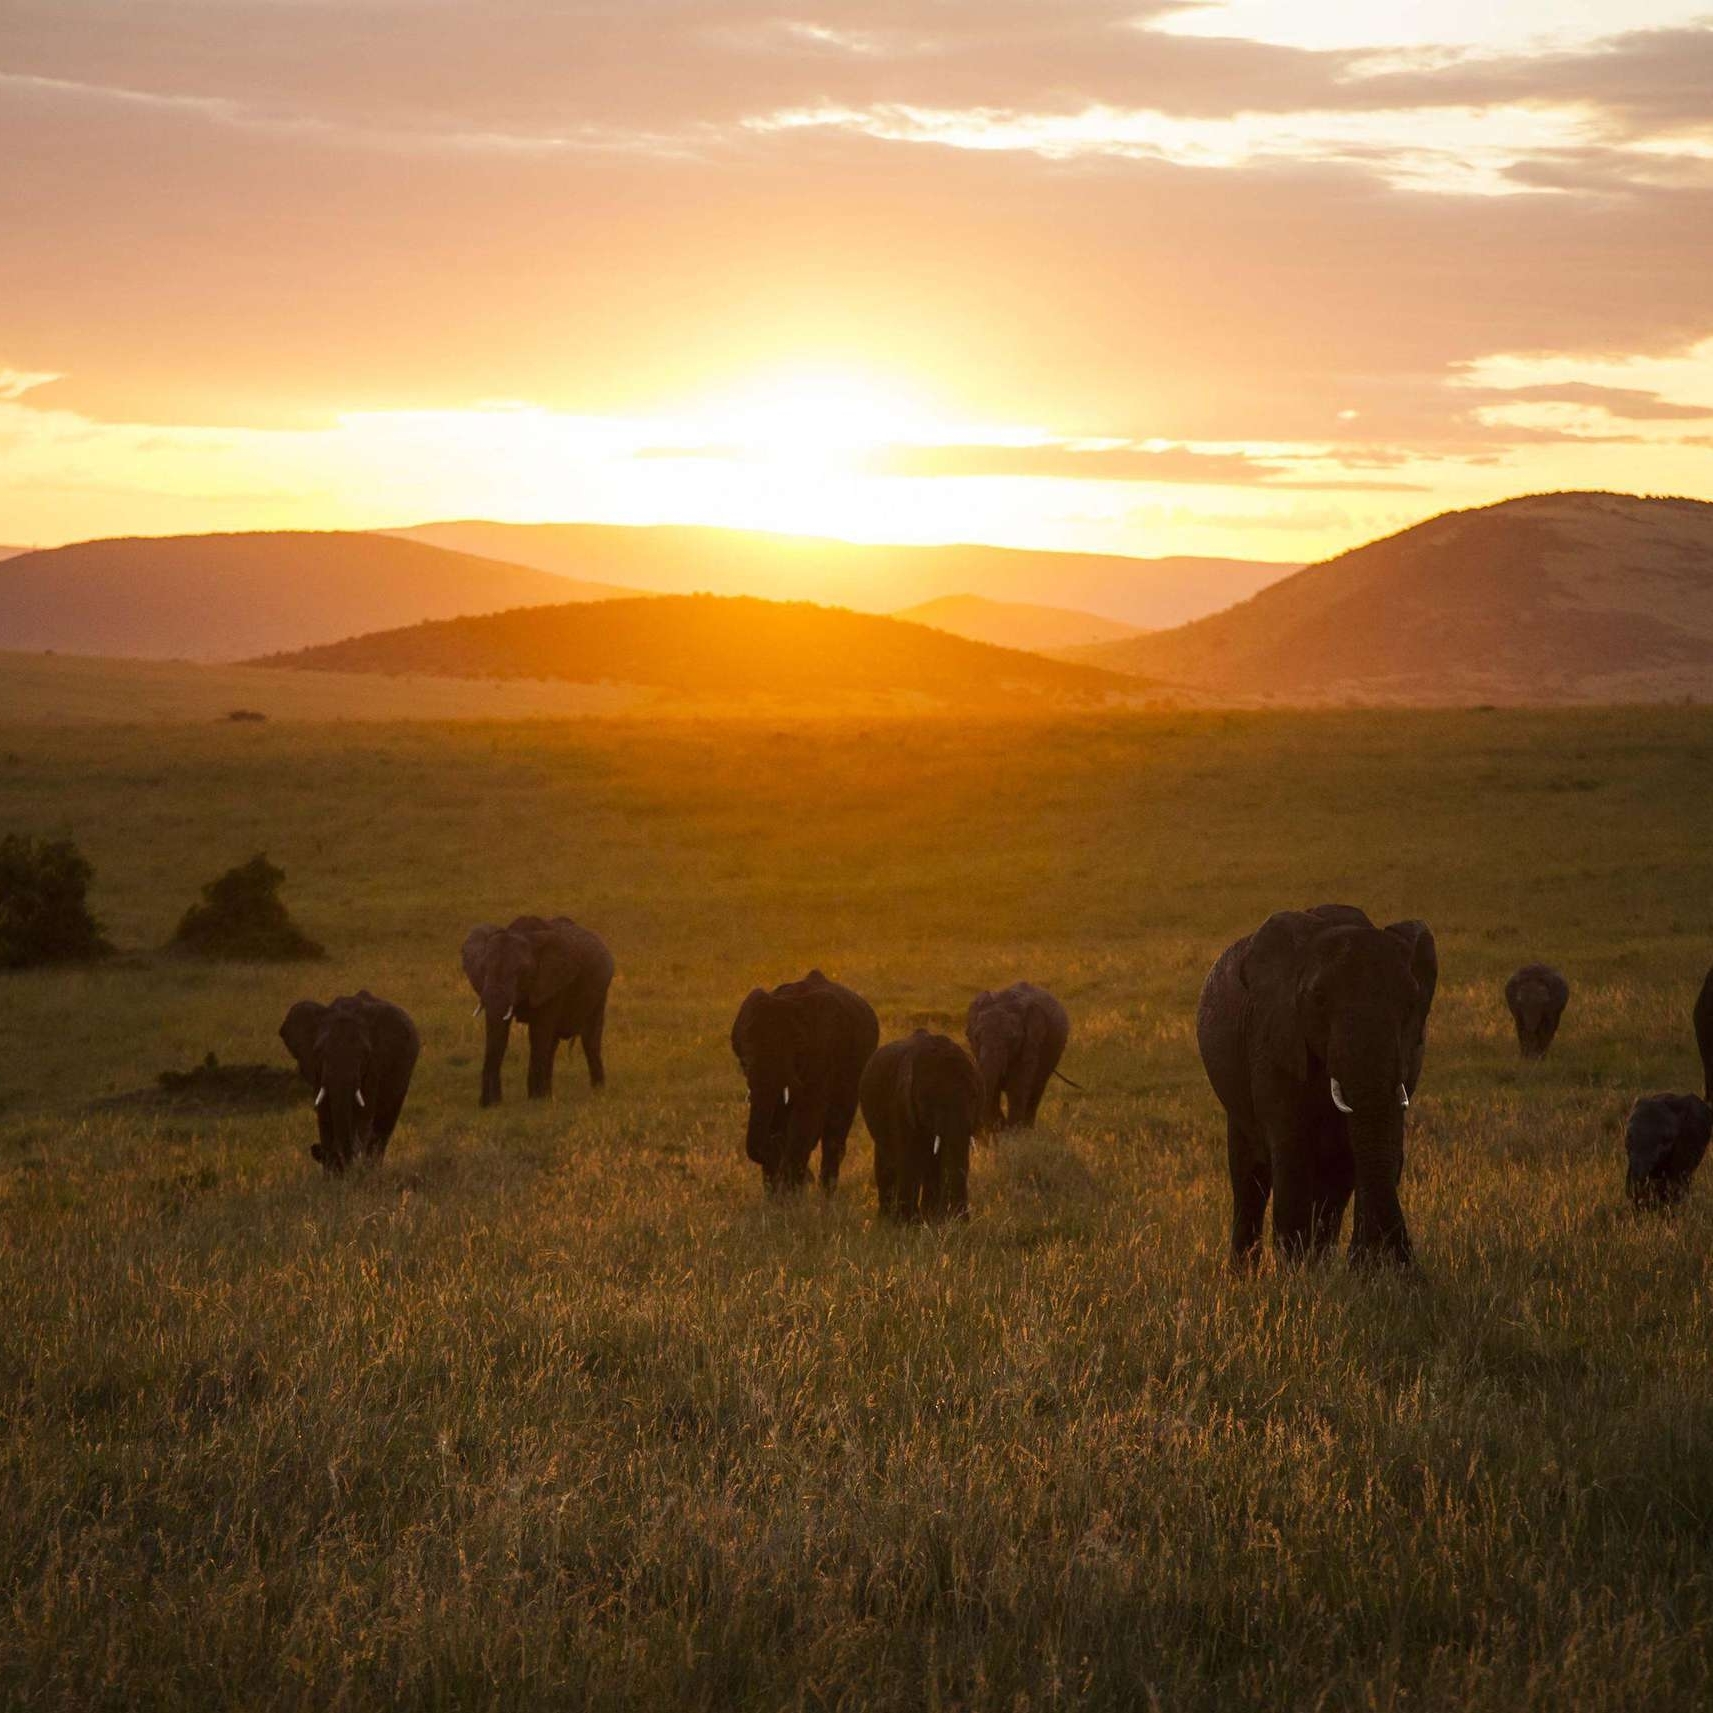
(241, 916)
(44, 913)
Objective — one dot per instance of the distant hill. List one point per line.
(719, 647)
(1015, 624)
(1577, 597)
(226, 597)
(682, 560)
(12, 552)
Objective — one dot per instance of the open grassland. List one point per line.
(553, 1406)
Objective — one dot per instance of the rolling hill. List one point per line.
(1015, 624)
(718, 647)
(680, 560)
(225, 597)
(1575, 597)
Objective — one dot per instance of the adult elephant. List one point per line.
(921, 1101)
(802, 1048)
(550, 975)
(1018, 1036)
(357, 1054)
(1704, 1033)
(1536, 995)
(1312, 1030)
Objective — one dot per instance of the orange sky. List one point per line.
(1238, 277)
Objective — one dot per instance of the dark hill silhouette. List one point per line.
(718, 646)
(677, 559)
(226, 597)
(1577, 597)
(1015, 624)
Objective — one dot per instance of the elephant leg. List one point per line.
(1307, 1206)
(592, 1034)
(908, 1198)
(543, 1044)
(886, 1182)
(1251, 1184)
(841, 1115)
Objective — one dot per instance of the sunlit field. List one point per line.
(555, 1406)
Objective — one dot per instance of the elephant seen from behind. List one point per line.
(1018, 1036)
(922, 1102)
(550, 975)
(357, 1054)
(802, 1048)
(1312, 1031)
(1536, 995)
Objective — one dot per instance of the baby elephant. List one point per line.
(357, 1054)
(921, 1100)
(1018, 1037)
(1665, 1139)
(1537, 995)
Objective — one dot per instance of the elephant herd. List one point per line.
(1312, 1031)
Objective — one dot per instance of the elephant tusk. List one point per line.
(321, 1094)
(788, 1097)
(478, 1011)
(1338, 1099)
(1403, 1095)
(936, 1144)
(360, 1099)
(508, 1016)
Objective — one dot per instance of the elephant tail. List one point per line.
(1065, 1079)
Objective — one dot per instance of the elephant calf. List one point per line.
(921, 1101)
(551, 976)
(1666, 1136)
(802, 1048)
(1537, 995)
(1312, 1030)
(1018, 1036)
(357, 1054)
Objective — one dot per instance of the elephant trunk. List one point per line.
(1377, 1142)
(498, 1027)
(762, 1141)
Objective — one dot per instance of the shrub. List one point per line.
(44, 916)
(241, 916)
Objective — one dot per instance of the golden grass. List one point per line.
(556, 1407)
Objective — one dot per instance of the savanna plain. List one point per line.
(554, 1406)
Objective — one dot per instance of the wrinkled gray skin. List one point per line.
(802, 1048)
(358, 1054)
(1018, 1036)
(1666, 1136)
(1537, 995)
(1313, 998)
(1704, 1033)
(549, 975)
(921, 1101)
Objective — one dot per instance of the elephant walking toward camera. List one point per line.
(1018, 1036)
(1537, 995)
(1665, 1138)
(550, 975)
(1312, 1031)
(357, 1054)
(802, 1048)
(921, 1101)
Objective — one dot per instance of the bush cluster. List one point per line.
(241, 916)
(44, 910)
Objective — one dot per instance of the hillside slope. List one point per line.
(1015, 624)
(226, 597)
(683, 560)
(718, 646)
(1578, 597)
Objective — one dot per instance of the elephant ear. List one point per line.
(904, 1092)
(300, 1031)
(977, 1006)
(475, 953)
(743, 1027)
(1270, 972)
(1424, 966)
(553, 969)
